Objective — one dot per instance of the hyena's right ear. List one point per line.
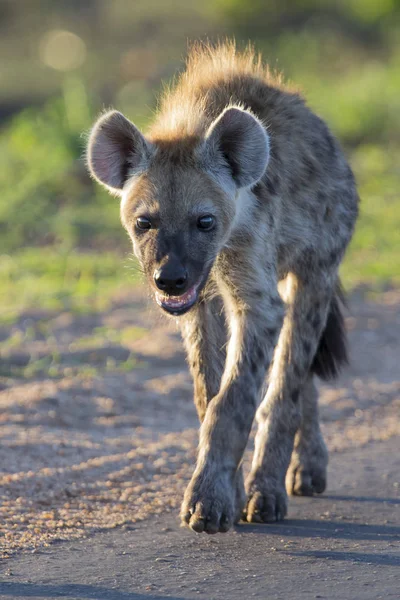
(116, 149)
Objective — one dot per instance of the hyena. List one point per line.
(240, 204)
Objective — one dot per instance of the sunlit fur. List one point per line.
(230, 138)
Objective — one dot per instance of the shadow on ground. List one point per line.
(72, 591)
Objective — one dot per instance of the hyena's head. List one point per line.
(180, 197)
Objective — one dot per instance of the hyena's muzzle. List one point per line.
(178, 288)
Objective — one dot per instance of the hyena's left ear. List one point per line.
(116, 148)
(239, 139)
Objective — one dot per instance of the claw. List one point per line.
(265, 504)
(209, 509)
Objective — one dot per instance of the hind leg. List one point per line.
(279, 415)
(307, 470)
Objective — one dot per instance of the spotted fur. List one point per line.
(233, 141)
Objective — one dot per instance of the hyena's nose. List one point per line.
(171, 279)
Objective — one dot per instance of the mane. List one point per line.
(215, 77)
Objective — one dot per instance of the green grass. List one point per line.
(374, 254)
(48, 282)
(52, 280)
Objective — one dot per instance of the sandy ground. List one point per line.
(109, 439)
(344, 545)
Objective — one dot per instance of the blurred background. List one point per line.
(89, 374)
(63, 61)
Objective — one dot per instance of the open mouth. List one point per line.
(178, 305)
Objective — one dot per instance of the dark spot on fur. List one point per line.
(258, 189)
(308, 258)
(271, 220)
(276, 301)
(274, 154)
(322, 197)
(331, 145)
(270, 186)
(319, 150)
(261, 193)
(333, 255)
(260, 354)
(327, 262)
(297, 371)
(309, 168)
(306, 347)
(271, 332)
(316, 321)
(239, 419)
(254, 367)
(294, 186)
(295, 396)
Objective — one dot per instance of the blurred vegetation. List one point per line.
(61, 244)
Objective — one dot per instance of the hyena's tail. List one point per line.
(332, 353)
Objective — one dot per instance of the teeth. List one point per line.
(176, 301)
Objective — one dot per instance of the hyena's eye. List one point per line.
(143, 223)
(206, 223)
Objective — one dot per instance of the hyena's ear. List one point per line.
(242, 142)
(116, 148)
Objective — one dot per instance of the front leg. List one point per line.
(204, 333)
(210, 502)
(279, 415)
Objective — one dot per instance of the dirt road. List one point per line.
(98, 436)
(343, 546)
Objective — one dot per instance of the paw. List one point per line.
(209, 504)
(307, 470)
(266, 501)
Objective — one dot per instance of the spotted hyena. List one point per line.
(240, 205)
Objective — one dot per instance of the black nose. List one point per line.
(171, 279)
